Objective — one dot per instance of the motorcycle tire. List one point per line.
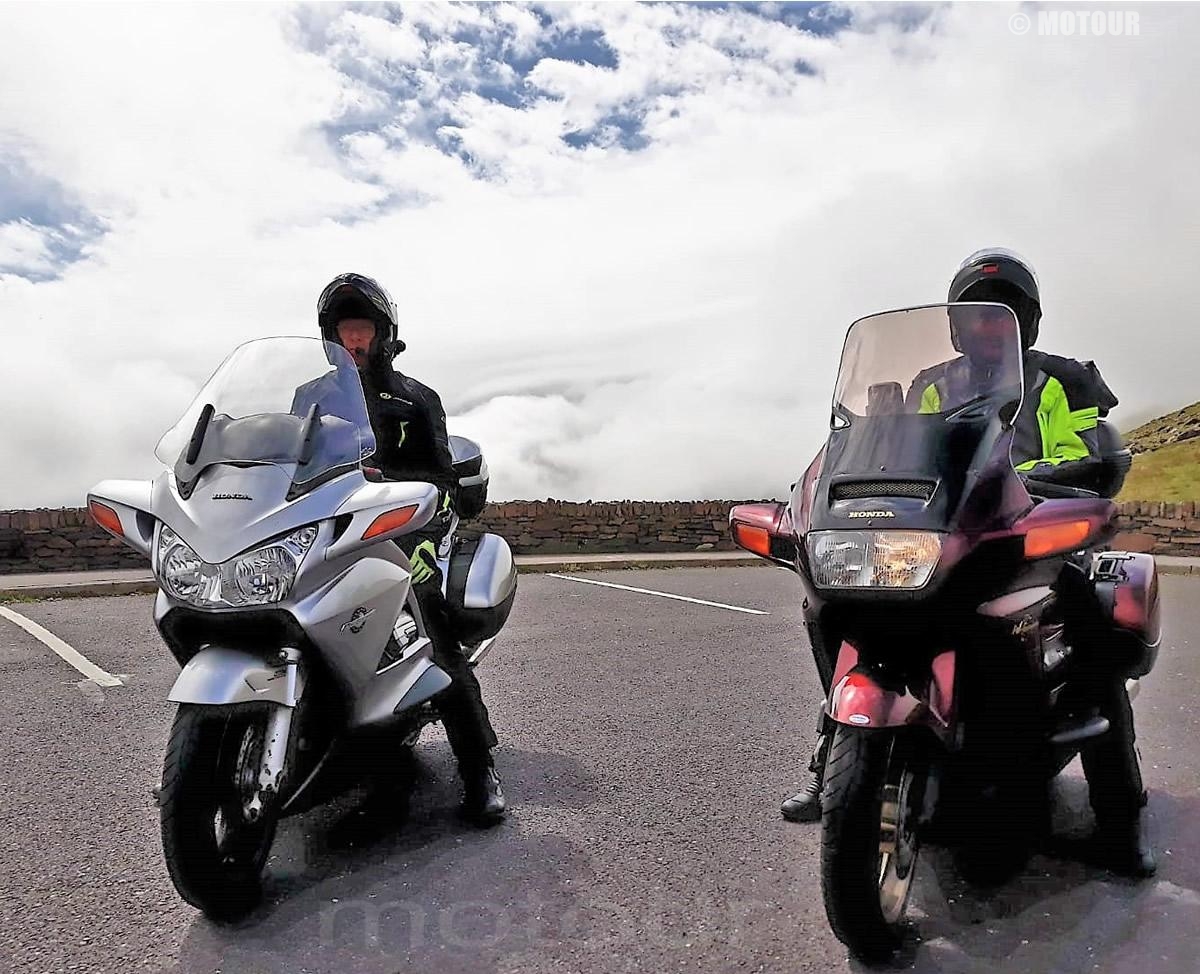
(214, 856)
(867, 779)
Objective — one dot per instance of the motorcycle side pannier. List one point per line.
(472, 472)
(481, 585)
(1126, 586)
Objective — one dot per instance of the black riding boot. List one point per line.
(1124, 847)
(1117, 793)
(805, 805)
(483, 801)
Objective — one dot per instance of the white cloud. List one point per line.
(662, 323)
(26, 249)
(523, 26)
(381, 39)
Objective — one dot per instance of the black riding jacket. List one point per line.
(411, 442)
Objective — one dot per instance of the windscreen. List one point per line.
(258, 407)
(922, 418)
(931, 360)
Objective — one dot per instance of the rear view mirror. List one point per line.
(764, 530)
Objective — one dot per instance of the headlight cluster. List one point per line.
(873, 559)
(258, 577)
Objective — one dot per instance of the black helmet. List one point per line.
(358, 296)
(997, 274)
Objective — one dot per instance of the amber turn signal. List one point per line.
(390, 521)
(106, 517)
(752, 538)
(1054, 539)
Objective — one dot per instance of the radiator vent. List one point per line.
(863, 489)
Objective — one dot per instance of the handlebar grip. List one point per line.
(1049, 490)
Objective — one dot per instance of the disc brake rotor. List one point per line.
(897, 841)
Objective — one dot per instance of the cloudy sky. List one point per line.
(625, 240)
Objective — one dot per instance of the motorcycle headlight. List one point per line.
(265, 575)
(258, 577)
(181, 570)
(873, 559)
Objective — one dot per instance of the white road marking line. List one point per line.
(664, 595)
(69, 655)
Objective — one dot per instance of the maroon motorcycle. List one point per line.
(960, 613)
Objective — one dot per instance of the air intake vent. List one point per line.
(862, 489)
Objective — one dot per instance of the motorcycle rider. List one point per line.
(1056, 440)
(355, 312)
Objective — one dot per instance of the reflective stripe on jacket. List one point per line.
(1064, 400)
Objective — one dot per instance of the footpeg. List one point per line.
(1080, 730)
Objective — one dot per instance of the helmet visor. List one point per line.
(348, 287)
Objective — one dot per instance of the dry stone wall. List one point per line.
(59, 541)
(67, 540)
(1159, 528)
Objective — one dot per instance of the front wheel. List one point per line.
(214, 850)
(869, 843)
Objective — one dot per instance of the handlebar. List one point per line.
(1048, 490)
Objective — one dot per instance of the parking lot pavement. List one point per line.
(646, 744)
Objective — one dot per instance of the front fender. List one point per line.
(217, 675)
(869, 697)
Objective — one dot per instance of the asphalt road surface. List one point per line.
(646, 744)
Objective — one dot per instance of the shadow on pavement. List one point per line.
(389, 879)
(1064, 913)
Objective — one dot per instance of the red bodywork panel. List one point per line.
(1099, 514)
(769, 517)
(857, 699)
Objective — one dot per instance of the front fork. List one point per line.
(273, 765)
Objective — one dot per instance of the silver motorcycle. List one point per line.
(287, 604)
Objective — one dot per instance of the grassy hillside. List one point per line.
(1166, 458)
(1170, 473)
(1176, 427)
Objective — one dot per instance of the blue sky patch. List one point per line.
(621, 128)
(483, 59)
(583, 47)
(824, 19)
(65, 225)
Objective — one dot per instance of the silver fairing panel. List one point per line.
(348, 608)
(347, 605)
(377, 704)
(347, 598)
(234, 509)
(351, 616)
